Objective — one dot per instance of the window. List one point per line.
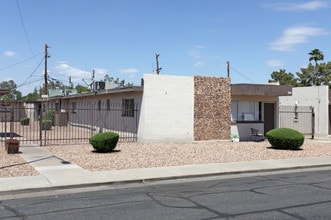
(73, 106)
(246, 111)
(99, 105)
(57, 106)
(128, 107)
(108, 104)
(6, 108)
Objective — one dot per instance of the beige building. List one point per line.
(169, 108)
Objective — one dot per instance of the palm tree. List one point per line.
(315, 55)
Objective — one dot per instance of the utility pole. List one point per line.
(228, 68)
(71, 86)
(92, 83)
(157, 64)
(45, 75)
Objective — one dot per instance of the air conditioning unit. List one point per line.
(99, 85)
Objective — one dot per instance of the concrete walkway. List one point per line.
(57, 173)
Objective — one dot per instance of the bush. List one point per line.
(46, 124)
(25, 121)
(104, 142)
(50, 115)
(285, 138)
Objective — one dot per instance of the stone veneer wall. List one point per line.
(212, 108)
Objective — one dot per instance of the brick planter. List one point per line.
(12, 146)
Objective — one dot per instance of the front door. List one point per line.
(269, 117)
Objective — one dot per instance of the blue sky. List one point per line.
(193, 37)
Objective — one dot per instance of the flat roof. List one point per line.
(131, 89)
(261, 90)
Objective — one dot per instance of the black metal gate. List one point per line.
(300, 118)
(36, 123)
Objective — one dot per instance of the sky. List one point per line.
(192, 37)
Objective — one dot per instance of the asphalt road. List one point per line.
(294, 195)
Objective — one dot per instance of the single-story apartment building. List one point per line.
(167, 108)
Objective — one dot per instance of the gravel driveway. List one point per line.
(137, 155)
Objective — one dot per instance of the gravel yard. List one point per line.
(14, 165)
(137, 155)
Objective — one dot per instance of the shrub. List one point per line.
(25, 121)
(46, 124)
(104, 142)
(50, 115)
(285, 138)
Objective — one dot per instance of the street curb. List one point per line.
(156, 179)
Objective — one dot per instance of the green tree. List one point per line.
(305, 77)
(15, 94)
(322, 76)
(57, 84)
(81, 88)
(283, 78)
(325, 69)
(315, 55)
(53, 84)
(313, 74)
(32, 96)
(117, 81)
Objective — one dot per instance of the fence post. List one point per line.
(11, 122)
(92, 114)
(137, 119)
(45, 129)
(312, 123)
(40, 125)
(5, 110)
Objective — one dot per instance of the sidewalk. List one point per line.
(56, 173)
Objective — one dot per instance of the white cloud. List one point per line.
(199, 64)
(304, 6)
(275, 63)
(9, 53)
(64, 68)
(197, 54)
(128, 71)
(75, 72)
(296, 35)
(132, 72)
(194, 53)
(100, 72)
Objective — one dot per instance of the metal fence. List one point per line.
(300, 118)
(74, 125)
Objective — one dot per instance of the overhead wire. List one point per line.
(20, 62)
(241, 74)
(24, 83)
(24, 28)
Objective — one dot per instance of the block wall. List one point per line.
(212, 108)
(167, 109)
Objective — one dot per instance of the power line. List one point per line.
(40, 79)
(242, 75)
(25, 32)
(24, 83)
(20, 62)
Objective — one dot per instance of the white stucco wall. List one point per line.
(31, 111)
(316, 96)
(167, 110)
